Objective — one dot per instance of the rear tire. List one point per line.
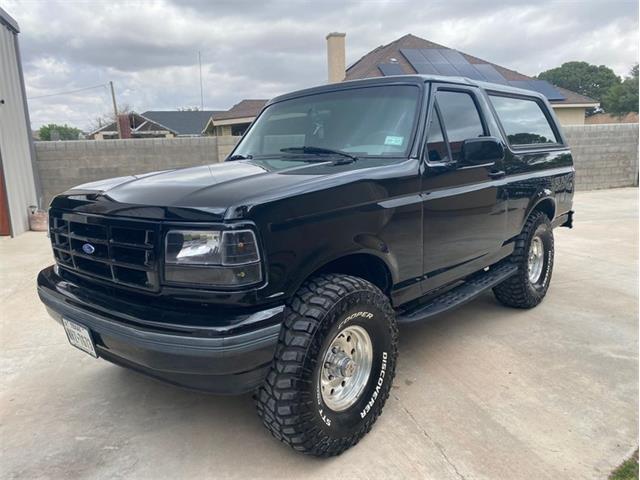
(316, 365)
(533, 254)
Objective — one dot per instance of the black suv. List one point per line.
(345, 210)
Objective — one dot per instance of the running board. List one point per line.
(460, 295)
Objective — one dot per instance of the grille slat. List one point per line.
(84, 238)
(116, 250)
(131, 245)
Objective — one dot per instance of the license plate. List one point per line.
(79, 337)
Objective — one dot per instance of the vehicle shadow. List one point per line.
(213, 431)
(465, 319)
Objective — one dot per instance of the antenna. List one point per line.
(201, 91)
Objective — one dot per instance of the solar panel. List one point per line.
(540, 86)
(469, 71)
(490, 73)
(451, 63)
(391, 69)
(413, 55)
(418, 62)
(520, 84)
(446, 69)
(545, 88)
(434, 55)
(453, 56)
(425, 69)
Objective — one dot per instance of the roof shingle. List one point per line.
(182, 122)
(367, 66)
(242, 109)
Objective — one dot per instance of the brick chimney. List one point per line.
(336, 61)
(125, 125)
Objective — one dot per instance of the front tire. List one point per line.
(333, 367)
(533, 254)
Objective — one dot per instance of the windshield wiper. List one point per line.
(240, 157)
(320, 151)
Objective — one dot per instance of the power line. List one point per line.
(67, 92)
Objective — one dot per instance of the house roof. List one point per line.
(181, 122)
(139, 123)
(392, 54)
(187, 122)
(242, 109)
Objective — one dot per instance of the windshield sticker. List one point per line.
(391, 140)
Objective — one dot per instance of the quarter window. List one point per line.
(437, 150)
(461, 119)
(523, 120)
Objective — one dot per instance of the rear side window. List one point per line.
(460, 117)
(523, 120)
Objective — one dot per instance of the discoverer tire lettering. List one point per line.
(290, 402)
(379, 383)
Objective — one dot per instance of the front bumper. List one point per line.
(221, 351)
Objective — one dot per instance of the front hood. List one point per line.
(215, 189)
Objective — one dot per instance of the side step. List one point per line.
(460, 295)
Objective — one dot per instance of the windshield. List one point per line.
(372, 121)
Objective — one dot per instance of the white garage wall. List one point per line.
(15, 135)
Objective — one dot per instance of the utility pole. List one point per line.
(201, 90)
(115, 109)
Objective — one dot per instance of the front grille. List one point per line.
(121, 251)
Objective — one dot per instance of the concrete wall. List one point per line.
(605, 156)
(65, 164)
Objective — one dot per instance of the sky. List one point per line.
(259, 49)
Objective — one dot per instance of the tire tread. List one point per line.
(514, 291)
(282, 402)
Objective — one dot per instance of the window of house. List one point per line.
(437, 150)
(238, 130)
(461, 119)
(523, 120)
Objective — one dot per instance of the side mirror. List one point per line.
(480, 151)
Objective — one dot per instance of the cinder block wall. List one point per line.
(65, 164)
(605, 156)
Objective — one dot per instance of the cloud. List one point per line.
(261, 49)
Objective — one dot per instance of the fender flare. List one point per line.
(544, 200)
(324, 261)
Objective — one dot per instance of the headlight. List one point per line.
(215, 258)
(193, 248)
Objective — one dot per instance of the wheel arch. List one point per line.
(366, 265)
(542, 202)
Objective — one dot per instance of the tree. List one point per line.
(107, 118)
(58, 132)
(583, 78)
(623, 98)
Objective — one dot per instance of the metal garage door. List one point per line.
(15, 142)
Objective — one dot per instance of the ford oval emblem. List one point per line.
(88, 248)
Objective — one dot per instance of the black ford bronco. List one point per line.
(345, 210)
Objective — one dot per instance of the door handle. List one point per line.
(497, 174)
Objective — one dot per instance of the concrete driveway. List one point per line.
(483, 392)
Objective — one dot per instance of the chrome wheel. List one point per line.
(346, 367)
(536, 259)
